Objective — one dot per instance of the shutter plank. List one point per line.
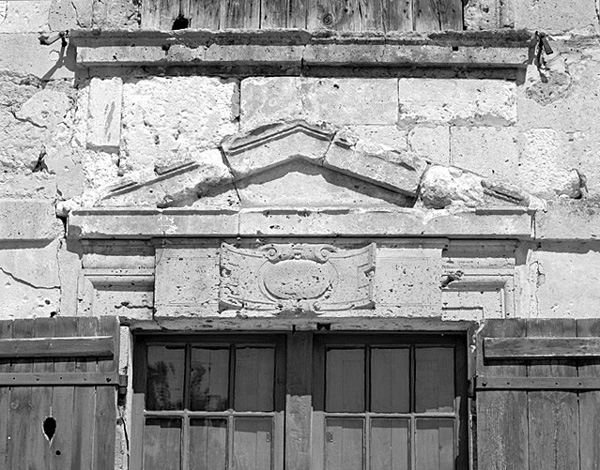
(203, 14)
(62, 403)
(50, 347)
(298, 11)
(39, 455)
(346, 15)
(5, 366)
(273, 14)
(20, 403)
(435, 15)
(502, 427)
(240, 14)
(106, 409)
(589, 404)
(84, 406)
(398, 15)
(553, 415)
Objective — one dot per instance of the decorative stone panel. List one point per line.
(296, 278)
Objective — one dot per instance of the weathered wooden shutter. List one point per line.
(58, 388)
(537, 392)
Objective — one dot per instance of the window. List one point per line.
(379, 402)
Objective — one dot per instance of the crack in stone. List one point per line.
(24, 282)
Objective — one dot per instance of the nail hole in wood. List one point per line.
(49, 428)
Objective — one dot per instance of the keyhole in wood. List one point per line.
(49, 428)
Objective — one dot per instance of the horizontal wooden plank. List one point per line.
(537, 383)
(55, 378)
(74, 347)
(536, 348)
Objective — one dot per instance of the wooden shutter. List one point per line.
(62, 371)
(537, 393)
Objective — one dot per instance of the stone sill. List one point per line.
(299, 49)
(131, 223)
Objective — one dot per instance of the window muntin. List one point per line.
(213, 403)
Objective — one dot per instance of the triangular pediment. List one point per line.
(297, 164)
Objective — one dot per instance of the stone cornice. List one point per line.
(300, 50)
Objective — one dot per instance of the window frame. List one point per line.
(299, 361)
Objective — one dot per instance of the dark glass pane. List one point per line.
(164, 388)
(390, 380)
(434, 379)
(345, 381)
(208, 444)
(162, 444)
(435, 444)
(252, 444)
(389, 444)
(254, 379)
(344, 444)
(209, 379)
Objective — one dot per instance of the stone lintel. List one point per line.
(300, 49)
(156, 223)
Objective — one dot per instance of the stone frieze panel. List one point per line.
(307, 279)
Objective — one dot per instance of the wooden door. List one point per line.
(58, 390)
(538, 395)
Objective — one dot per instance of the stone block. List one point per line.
(23, 219)
(67, 167)
(556, 269)
(457, 101)
(489, 151)
(351, 101)
(444, 186)
(264, 100)
(166, 119)
(556, 16)
(70, 14)
(433, 143)
(545, 167)
(21, 144)
(36, 267)
(24, 16)
(390, 135)
(116, 14)
(397, 171)
(568, 220)
(46, 108)
(482, 15)
(21, 300)
(104, 114)
(23, 53)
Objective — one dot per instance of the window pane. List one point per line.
(344, 444)
(390, 380)
(164, 390)
(345, 383)
(389, 444)
(209, 379)
(434, 379)
(435, 444)
(162, 444)
(252, 440)
(254, 379)
(208, 444)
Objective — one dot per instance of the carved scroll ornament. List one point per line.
(296, 278)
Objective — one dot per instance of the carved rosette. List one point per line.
(296, 278)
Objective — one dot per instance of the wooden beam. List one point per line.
(536, 348)
(90, 346)
(56, 378)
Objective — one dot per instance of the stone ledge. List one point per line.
(156, 223)
(300, 49)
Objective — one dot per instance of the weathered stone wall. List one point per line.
(66, 136)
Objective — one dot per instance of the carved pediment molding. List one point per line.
(372, 178)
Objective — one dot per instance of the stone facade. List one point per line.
(195, 182)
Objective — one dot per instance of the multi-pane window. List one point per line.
(213, 403)
(388, 403)
(379, 402)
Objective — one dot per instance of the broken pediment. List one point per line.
(305, 166)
